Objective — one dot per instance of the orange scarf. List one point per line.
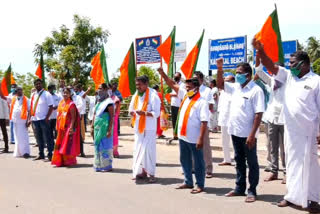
(183, 131)
(63, 109)
(24, 110)
(142, 120)
(33, 109)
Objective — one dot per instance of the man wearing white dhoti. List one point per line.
(144, 109)
(223, 120)
(19, 109)
(301, 108)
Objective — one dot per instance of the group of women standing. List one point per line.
(104, 125)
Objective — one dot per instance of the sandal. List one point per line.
(250, 198)
(209, 175)
(152, 180)
(196, 190)
(184, 186)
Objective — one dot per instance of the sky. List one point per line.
(26, 23)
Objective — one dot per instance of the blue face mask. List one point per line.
(241, 78)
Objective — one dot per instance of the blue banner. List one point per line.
(146, 50)
(288, 47)
(232, 50)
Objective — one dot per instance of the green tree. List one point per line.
(69, 52)
(151, 73)
(313, 48)
(316, 66)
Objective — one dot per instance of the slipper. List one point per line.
(233, 193)
(152, 180)
(250, 198)
(141, 176)
(209, 175)
(224, 164)
(184, 186)
(196, 190)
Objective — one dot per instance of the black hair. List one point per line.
(69, 90)
(156, 87)
(37, 80)
(199, 74)
(214, 82)
(301, 56)
(144, 79)
(79, 86)
(51, 87)
(246, 67)
(104, 86)
(194, 81)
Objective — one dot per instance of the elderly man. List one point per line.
(301, 108)
(40, 112)
(144, 109)
(18, 115)
(247, 107)
(223, 120)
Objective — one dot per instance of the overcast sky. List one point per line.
(25, 23)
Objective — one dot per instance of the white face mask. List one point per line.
(110, 92)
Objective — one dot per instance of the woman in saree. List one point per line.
(103, 123)
(67, 146)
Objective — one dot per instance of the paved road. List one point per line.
(36, 187)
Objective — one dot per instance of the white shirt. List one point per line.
(4, 109)
(176, 101)
(17, 108)
(301, 106)
(224, 108)
(45, 100)
(78, 102)
(245, 103)
(92, 104)
(153, 107)
(84, 103)
(199, 113)
(56, 100)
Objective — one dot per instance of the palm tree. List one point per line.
(313, 48)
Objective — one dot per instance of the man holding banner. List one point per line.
(301, 110)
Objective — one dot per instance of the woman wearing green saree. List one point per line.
(103, 139)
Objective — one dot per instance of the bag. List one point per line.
(164, 122)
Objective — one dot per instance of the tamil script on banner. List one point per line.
(232, 50)
(180, 53)
(146, 50)
(288, 47)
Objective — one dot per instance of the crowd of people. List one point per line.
(286, 101)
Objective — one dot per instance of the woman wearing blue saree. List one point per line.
(103, 139)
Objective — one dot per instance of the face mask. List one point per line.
(77, 93)
(110, 93)
(13, 90)
(102, 95)
(54, 91)
(295, 71)
(241, 78)
(191, 93)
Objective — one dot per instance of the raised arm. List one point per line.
(220, 81)
(169, 81)
(265, 59)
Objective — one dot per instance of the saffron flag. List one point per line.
(127, 84)
(40, 70)
(190, 63)
(6, 82)
(270, 37)
(99, 72)
(166, 51)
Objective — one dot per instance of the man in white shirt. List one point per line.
(20, 106)
(247, 107)
(53, 118)
(40, 112)
(275, 127)
(223, 120)
(213, 123)
(4, 117)
(301, 109)
(144, 109)
(175, 104)
(205, 93)
(9, 98)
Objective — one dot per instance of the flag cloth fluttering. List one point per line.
(190, 63)
(7, 81)
(99, 72)
(127, 84)
(166, 51)
(40, 70)
(270, 37)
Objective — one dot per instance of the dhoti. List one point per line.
(21, 140)
(144, 153)
(303, 172)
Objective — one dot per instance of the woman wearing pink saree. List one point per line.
(67, 146)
